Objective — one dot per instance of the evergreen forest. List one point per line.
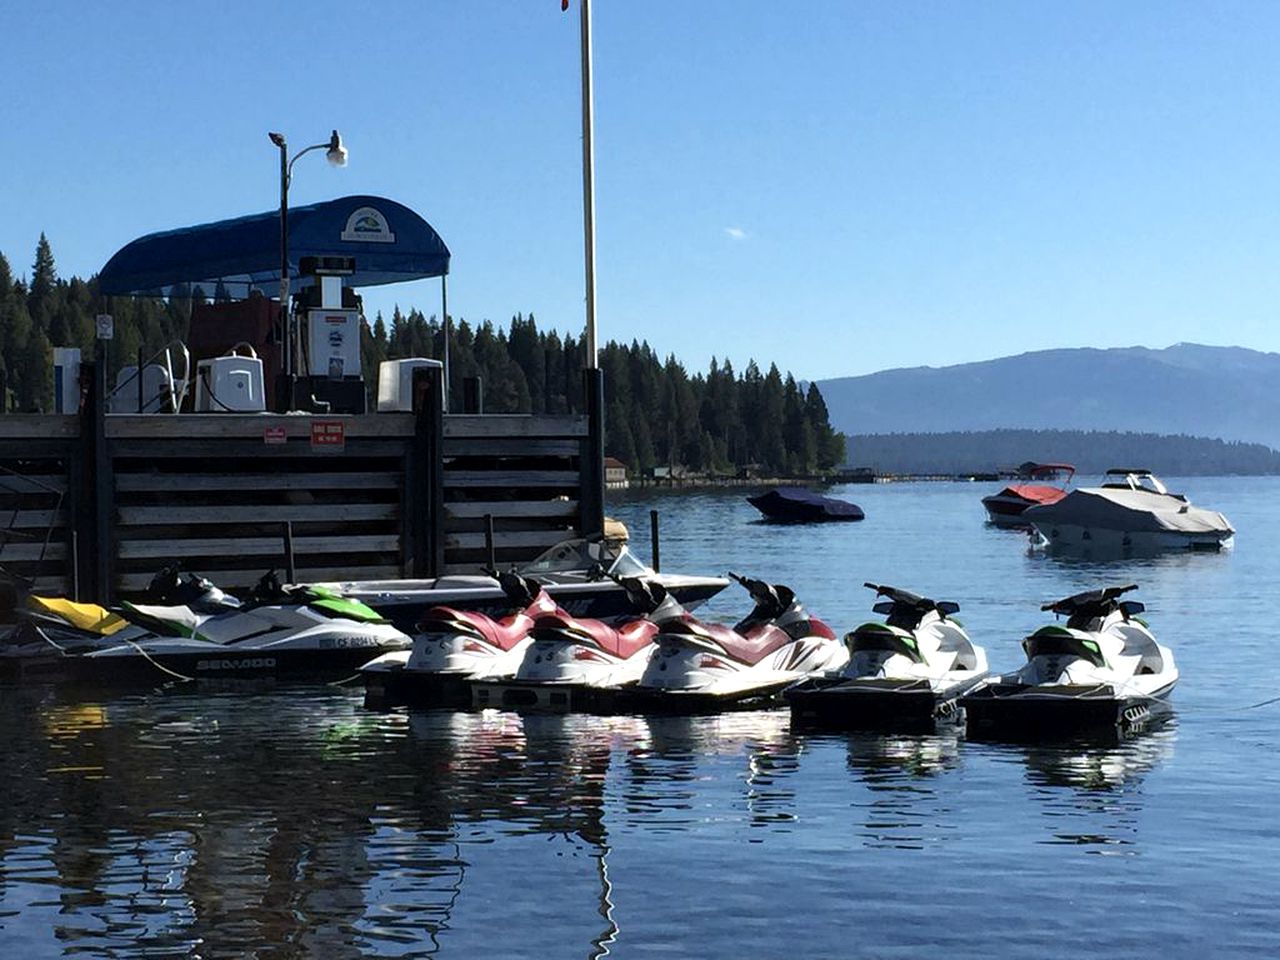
(1090, 451)
(656, 412)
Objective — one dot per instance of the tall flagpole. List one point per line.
(588, 184)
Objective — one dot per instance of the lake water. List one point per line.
(295, 823)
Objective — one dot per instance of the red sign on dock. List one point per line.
(328, 435)
(275, 435)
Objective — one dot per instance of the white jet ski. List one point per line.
(452, 648)
(907, 671)
(1102, 670)
(701, 666)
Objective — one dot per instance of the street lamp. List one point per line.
(336, 154)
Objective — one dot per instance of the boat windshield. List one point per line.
(582, 556)
(1134, 480)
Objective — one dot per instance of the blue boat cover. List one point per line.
(796, 503)
(388, 241)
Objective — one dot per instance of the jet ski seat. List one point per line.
(83, 616)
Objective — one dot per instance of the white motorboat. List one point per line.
(907, 671)
(581, 575)
(1101, 671)
(1132, 512)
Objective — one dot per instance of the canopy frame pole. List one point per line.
(588, 185)
(444, 333)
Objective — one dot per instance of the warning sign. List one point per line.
(274, 435)
(328, 435)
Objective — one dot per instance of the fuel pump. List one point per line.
(330, 368)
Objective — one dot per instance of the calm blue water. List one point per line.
(294, 823)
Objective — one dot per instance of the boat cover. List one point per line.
(389, 242)
(796, 502)
(1032, 492)
(1137, 511)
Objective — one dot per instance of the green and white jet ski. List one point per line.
(197, 631)
(906, 672)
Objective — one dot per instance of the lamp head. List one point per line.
(337, 153)
(277, 139)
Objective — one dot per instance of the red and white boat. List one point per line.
(1042, 483)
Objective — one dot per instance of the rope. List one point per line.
(159, 666)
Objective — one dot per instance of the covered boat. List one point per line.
(1005, 509)
(797, 505)
(1131, 512)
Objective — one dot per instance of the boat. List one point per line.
(452, 648)
(701, 667)
(196, 631)
(797, 505)
(1131, 512)
(580, 575)
(906, 672)
(1100, 671)
(1005, 509)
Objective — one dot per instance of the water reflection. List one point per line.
(671, 766)
(901, 808)
(1090, 790)
(157, 824)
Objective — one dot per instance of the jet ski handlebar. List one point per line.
(761, 592)
(898, 596)
(519, 589)
(1089, 598)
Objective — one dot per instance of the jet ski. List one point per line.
(578, 664)
(908, 671)
(1102, 670)
(706, 666)
(453, 647)
(195, 630)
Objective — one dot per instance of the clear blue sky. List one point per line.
(838, 187)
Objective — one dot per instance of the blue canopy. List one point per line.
(388, 241)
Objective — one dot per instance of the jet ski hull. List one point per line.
(655, 700)
(545, 697)
(136, 669)
(873, 704)
(1022, 711)
(391, 684)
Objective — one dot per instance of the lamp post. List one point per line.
(336, 154)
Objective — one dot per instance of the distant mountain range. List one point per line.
(1226, 392)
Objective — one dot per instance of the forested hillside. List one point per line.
(657, 413)
(1091, 452)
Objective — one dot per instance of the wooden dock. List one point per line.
(95, 504)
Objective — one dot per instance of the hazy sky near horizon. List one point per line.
(838, 187)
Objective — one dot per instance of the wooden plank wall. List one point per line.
(206, 491)
(40, 494)
(525, 472)
(405, 495)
